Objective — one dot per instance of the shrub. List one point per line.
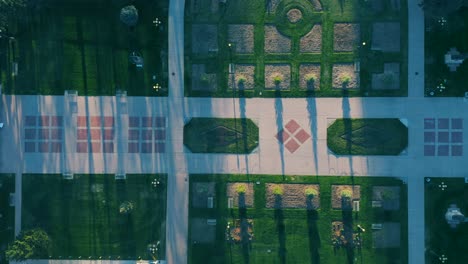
(310, 192)
(126, 207)
(346, 194)
(129, 15)
(277, 79)
(310, 78)
(30, 244)
(345, 79)
(241, 80)
(278, 190)
(241, 188)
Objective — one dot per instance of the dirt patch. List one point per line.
(389, 79)
(200, 193)
(338, 190)
(294, 196)
(271, 6)
(245, 199)
(344, 76)
(389, 195)
(275, 42)
(386, 36)
(201, 232)
(346, 36)
(306, 71)
(277, 76)
(242, 36)
(204, 38)
(202, 81)
(312, 41)
(244, 77)
(317, 5)
(294, 15)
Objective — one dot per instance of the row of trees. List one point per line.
(441, 8)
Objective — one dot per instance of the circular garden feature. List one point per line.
(296, 18)
(294, 15)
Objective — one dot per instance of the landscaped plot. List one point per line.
(97, 216)
(7, 213)
(292, 221)
(446, 230)
(83, 45)
(358, 48)
(445, 44)
(221, 135)
(370, 136)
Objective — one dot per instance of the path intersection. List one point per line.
(61, 134)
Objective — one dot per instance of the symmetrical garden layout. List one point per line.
(296, 48)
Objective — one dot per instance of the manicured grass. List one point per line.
(221, 135)
(370, 136)
(438, 41)
(7, 212)
(304, 236)
(441, 239)
(82, 215)
(83, 45)
(334, 11)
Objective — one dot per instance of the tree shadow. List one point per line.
(245, 131)
(279, 218)
(244, 229)
(346, 108)
(313, 233)
(347, 215)
(279, 126)
(312, 110)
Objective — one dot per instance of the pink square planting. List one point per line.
(44, 133)
(133, 121)
(44, 121)
(302, 136)
(147, 134)
(292, 145)
(108, 147)
(133, 148)
(108, 121)
(95, 147)
(95, 134)
(133, 134)
(108, 134)
(292, 126)
(82, 147)
(147, 121)
(95, 121)
(56, 121)
(159, 134)
(56, 134)
(81, 121)
(82, 134)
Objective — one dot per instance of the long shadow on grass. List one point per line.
(279, 126)
(244, 129)
(347, 215)
(313, 232)
(279, 218)
(244, 228)
(347, 128)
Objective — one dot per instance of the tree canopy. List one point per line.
(30, 244)
(129, 15)
(438, 8)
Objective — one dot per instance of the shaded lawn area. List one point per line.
(294, 235)
(370, 136)
(441, 239)
(83, 45)
(438, 41)
(255, 13)
(7, 212)
(82, 215)
(221, 135)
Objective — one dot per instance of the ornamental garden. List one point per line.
(298, 48)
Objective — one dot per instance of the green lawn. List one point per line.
(439, 39)
(83, 46)
(440, 238)
(303, 236)
(255, 13)
(82, 215)
(221, 135)
(371, 136)
(7, 212)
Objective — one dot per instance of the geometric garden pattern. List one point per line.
(292, 136)
(443, 137)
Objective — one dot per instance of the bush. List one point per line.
(126, 207)
(241, 80)
(241, 188)
(345, 79)
(277, 79)
(278, 190)
(346, 194)
(311, 192)
(30, 244)
(310, 78)
(129, 15)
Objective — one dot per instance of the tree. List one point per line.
(30, 244)
(129, 15)
(440, 8)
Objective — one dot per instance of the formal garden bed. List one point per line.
(7, 213)
(83, 45)
(96, 216)
(292, 219)
(443, 238)
(221, 135)
(352, 44)
(371, 136)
